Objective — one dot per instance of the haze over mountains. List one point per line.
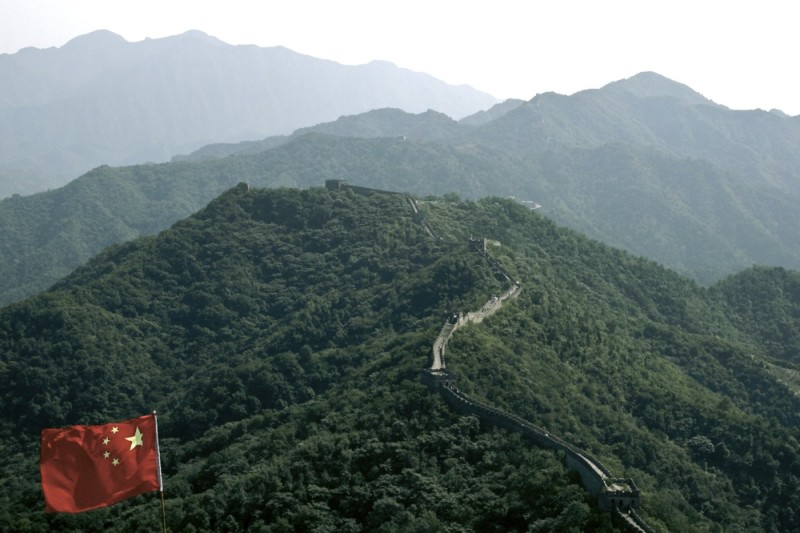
(645, 164)
(102, 100)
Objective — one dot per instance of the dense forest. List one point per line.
(280, 336)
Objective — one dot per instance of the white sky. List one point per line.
(742, 54)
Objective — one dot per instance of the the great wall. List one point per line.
(621, 496)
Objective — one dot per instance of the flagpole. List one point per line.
(163, 513)
(160, 479)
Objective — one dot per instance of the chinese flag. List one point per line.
(86, 467)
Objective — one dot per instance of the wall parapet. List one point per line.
(620, 494)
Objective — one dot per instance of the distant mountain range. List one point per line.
(102, 100)
(645, 164)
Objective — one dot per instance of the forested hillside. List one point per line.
(280, 335)
(44, 237)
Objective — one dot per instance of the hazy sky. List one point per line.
(742, 54)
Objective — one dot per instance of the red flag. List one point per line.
(86, 467)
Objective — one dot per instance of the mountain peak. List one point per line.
(95, 39)
(651, 84)
(197, 35)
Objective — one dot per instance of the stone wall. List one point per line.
(611, 493)
(619, 494)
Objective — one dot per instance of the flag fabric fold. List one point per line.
(86, 467)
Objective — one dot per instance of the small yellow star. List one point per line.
(115, 461)
(106, 441)
(136, 439)
(106, 454)
(115, 429)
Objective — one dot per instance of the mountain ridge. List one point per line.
(743, 162)
(100, 100)
(702, 189)
(651, 84)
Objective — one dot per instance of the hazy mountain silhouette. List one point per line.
(102, 100)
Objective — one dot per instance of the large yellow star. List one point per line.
(136, 440)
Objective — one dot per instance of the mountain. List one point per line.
(666, 116)
(280, 335)
(654, 85)
(644, 164)
(387, 122)
(47, 235)
(496, 111)
(102, 100)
